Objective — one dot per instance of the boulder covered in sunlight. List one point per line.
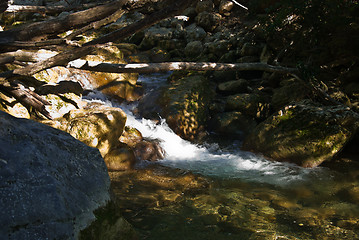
(99, 127)
(50, 182)
(304, 133)
(186, 103)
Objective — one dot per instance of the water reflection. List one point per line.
(236, 195)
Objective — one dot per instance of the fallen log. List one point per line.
(60, 59)
(6, 59)
(26, 97)
(172, 66)
(28, 56)
(96, 25)
(59, 24)
(48, 9)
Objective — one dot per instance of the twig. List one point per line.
(240, 4)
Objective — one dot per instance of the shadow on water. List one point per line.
(167, 203)
(210, 192)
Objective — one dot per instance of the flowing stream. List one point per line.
(247, 196)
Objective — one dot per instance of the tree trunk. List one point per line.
(172, 66)
(59, 24)
(47, 9)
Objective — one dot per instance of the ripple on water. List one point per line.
(204, 192)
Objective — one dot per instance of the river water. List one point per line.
(216, 191)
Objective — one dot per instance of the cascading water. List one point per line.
(209, 160)
(238, 195)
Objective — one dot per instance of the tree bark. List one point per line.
(48, 9)
(6, 59)
(59, 24)
(172, 66)
(28, 56)
(58, 60)
(27, 97)
(95, 25)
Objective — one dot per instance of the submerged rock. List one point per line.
(304, 133)
(50, 182)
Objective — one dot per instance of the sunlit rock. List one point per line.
(225, 7)
(304, 133)
(247, 103)
(13, 107)
(121, 86)
(185, 105)
(100, 127)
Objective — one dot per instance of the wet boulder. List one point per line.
(121, 158)
(149, 150)
(50, 182)
(304, 133)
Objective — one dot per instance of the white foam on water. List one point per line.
(211, 160)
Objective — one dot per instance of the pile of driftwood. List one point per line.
(15, 44)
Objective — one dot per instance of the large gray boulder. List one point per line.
(50, 183)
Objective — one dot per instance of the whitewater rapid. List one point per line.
(208, 159)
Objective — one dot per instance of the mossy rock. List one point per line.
(291, 90)
(304, 133)
(250, 104)
(232, 124)
(185, 104)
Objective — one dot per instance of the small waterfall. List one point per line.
(210, 160)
